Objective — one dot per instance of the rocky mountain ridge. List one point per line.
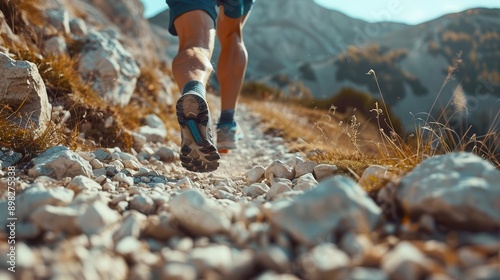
(300, 42)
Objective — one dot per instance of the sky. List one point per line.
(405, 11)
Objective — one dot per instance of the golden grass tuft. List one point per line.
(435, 137)
(25, 139)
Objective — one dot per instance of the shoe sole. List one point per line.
(198, 153)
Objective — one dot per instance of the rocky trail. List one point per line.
(265, 214)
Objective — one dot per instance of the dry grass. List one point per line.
(321, 135)
(437, 136)
(26, 140)
(353, 145)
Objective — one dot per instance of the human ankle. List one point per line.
(226, 117)
(195, 86)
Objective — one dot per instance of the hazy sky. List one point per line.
(407, 11)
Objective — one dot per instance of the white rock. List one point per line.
(131, 164)
(59, 162)
(277, 169)
(276, 189)
(127, 19)
(6, 275)
(25, 257)
(154, 121)
(256, 189)
(294, 161)
(405, 262)
(78, 27)
(111, 69)
(373, 175)
(117, 164)
(22, 84)
(56, 219)
(128, 245)
(222, 186)
(122, 178)
(355, 245)
(142, 203)
(109, 186)
(37, 195)
(336, 205)
(133, 223)
(305, 167)
(160, 227)
(197, 214)
(323, 171)
(59, 19)
(139, 141)
(255, 175)
(96, 164)
(178, 271)
(325, 261)
(154, 130)
(216, 257)
(165, 154)
(443, 186)
(305, 182)
(96, 218)
(55, 46)
(80, 183)
(221, 194)
(184, 183)
(152, 134)
(274, 258)
(184, 244)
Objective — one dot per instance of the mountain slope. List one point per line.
(412, 64)
(280, 34)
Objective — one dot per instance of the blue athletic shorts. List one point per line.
(232, 8)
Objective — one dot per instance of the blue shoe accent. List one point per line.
(193, 128)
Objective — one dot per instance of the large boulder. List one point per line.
(59, 19)
(112, 69)
(22, 89)
(336, 205)
(128, 17)
(458, 190)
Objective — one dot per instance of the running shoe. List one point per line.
(198, 152)
(228, 134)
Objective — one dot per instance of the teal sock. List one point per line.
(226, 117)
(195, 86)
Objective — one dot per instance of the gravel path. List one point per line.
(265, 214)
